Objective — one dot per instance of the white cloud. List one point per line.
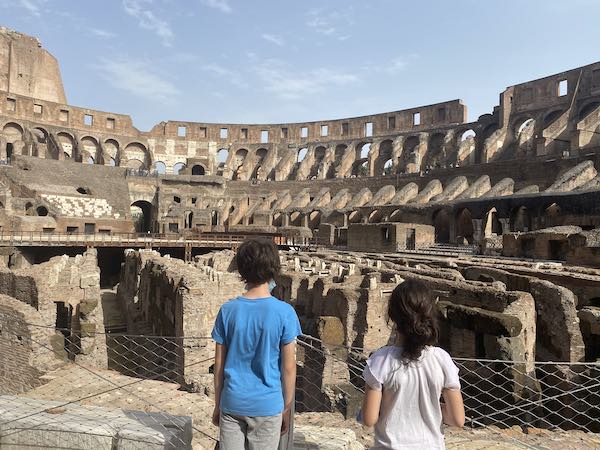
(148, 20)
(291, 84)
(225, 74)
(273, 39)
(221, 5)
(33, 7)
(105, 34)
(136, 77)
(330, 23)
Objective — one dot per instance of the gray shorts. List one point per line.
(249, 433)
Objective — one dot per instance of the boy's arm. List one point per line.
(220, 354)
(288, 375)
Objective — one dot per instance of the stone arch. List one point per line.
(295, 219)
(551, 116)
(141, 213)
(41, 211)
(12, 132)
(520, 219)
(384, 158)
(238, 162)
(198, 169)
(464, 226)
(409, 146)
(112, 150)
(319, 153)
(301, 154)
(259, 158)
(441, 223)
(178, 167)
(466, 134)
(67, 143)
(587, 109)
(375, 216)
(314, 220)
(88, 148)
(435, 151)
(492, 223)
(137, 150)
(521, 124)
(160, 167)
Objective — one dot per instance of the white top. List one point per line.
(410, 416)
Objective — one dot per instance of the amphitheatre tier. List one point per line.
(110, 280)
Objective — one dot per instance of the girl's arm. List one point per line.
(453, 409)
(220, 354)
(370, 406)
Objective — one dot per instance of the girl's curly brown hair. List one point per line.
(413, 311)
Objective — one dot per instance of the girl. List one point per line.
(404, 381)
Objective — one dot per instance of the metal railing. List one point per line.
(168, 380)
(139, 240)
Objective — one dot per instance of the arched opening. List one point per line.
(12, 132)
(197, 170)
(410, 158)
(188, 219)
(587, 110)
(441, 223)
(160, 167)
(464, 227)
(467, 134)
(89, 149)
(66, 141)
(29, 208)
(301, 154)
(360, 168)
(354, 217)
(137, 151)
(277, 219)
(388, 167)
(522, 125)
(375, 216)
(135, 164)
(222, 156)
(90, 160)
(214, 218)
(240, 157)
(41, 211)
(141, 214)
(492, 223)
(295, 219)
(111, 149)
(314, 220)
(364, 150)
(178, 167)
(319, 156)
(551, 117)
(520, 220)
(552, 216)
(261, 154)
(435, 156)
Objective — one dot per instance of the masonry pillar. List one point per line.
(505, 222)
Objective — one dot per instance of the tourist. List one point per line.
(404, 381)
(255, 361)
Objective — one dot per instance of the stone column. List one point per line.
(505, 222)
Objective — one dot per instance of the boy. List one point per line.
(255, 359)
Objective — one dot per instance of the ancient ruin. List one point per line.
(117, 244)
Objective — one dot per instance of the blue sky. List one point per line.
(256, 61)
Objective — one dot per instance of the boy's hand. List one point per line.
(285, 420)
(215, 416)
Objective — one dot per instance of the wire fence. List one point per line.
(149, 392)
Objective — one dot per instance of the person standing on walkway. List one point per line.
(255, 358)
(404, 381)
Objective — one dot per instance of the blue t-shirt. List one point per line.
(253, 330)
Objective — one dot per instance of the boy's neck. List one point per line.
(257, 291)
